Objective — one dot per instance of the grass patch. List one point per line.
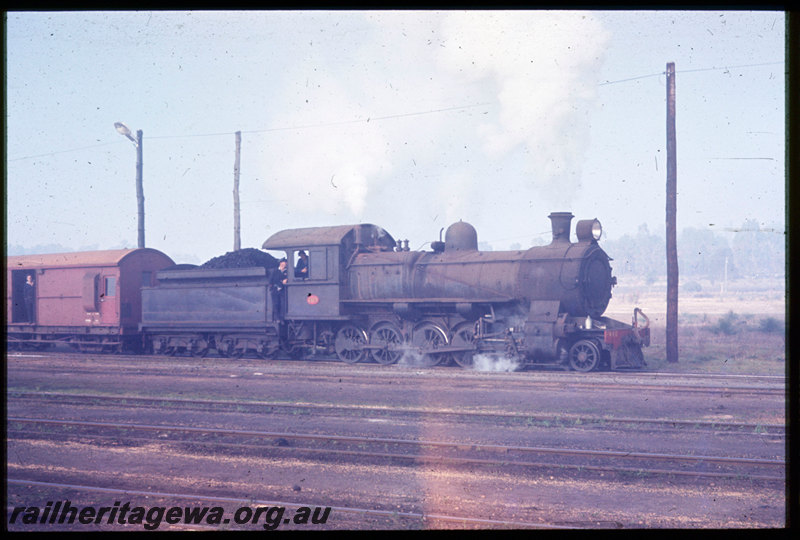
(731, 344)
(726, 325)
(771, 325)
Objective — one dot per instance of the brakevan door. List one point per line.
(109, 298)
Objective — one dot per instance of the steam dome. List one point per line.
(461, 237)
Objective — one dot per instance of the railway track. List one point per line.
(412, 447)
(443, 453)
(410, 518)
(370, 374)
(392, 413)
(115, 360)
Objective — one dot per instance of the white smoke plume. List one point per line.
(535, 84)
(545, 81)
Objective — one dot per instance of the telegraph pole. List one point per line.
(237, 241)
(672, 244)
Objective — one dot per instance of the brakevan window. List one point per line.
(111, 286)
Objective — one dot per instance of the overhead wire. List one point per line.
(724, 68)
(268, 130)
(379, 118)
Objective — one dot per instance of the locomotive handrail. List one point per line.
(564, 260)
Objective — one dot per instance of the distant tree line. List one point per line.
(754, 252)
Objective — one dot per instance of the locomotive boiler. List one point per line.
(576, 275)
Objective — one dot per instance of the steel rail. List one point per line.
(429, 459)
(435, 444)
(419, 411)
(571, 384)
(293, 504)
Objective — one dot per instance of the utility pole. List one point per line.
(139, 187)
(672, 243)
(122, 129)
(237, 241)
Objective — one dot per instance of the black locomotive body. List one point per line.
(365, 296)
(197, 309)
(362, 295)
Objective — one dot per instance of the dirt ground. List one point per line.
(766, 299)
(158, 472)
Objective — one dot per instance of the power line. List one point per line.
(730, 67)
(61, 152)
(380, 118)
(632, 79)
(329, 124)
(725, 68)
(287, 128)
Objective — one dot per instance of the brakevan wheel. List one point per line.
(584, 356)
(388, 337)
(349, 344)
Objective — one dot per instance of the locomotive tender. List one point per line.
(363, 296)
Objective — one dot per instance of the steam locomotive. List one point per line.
(365, 295)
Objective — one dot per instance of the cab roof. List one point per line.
(329, 236)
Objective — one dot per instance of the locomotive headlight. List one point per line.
(588, 229)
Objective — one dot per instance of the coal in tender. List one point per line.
(243, 258)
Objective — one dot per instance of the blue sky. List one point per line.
(409, 120)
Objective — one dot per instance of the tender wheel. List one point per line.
(426, 339)
(388, 337)
(224, 347)
(349, 344)
(268, 350)
(238, 354)
(464, 336)
(584, 356)
(157, 346)
(199, 348)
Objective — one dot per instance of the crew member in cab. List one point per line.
(301, 269)
(277, 283)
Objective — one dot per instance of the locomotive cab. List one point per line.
(316, 294)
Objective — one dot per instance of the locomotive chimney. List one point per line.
(561, 223)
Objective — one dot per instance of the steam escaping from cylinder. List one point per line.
(412, 358)
(495, 363)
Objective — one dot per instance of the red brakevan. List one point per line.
(91, 300)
